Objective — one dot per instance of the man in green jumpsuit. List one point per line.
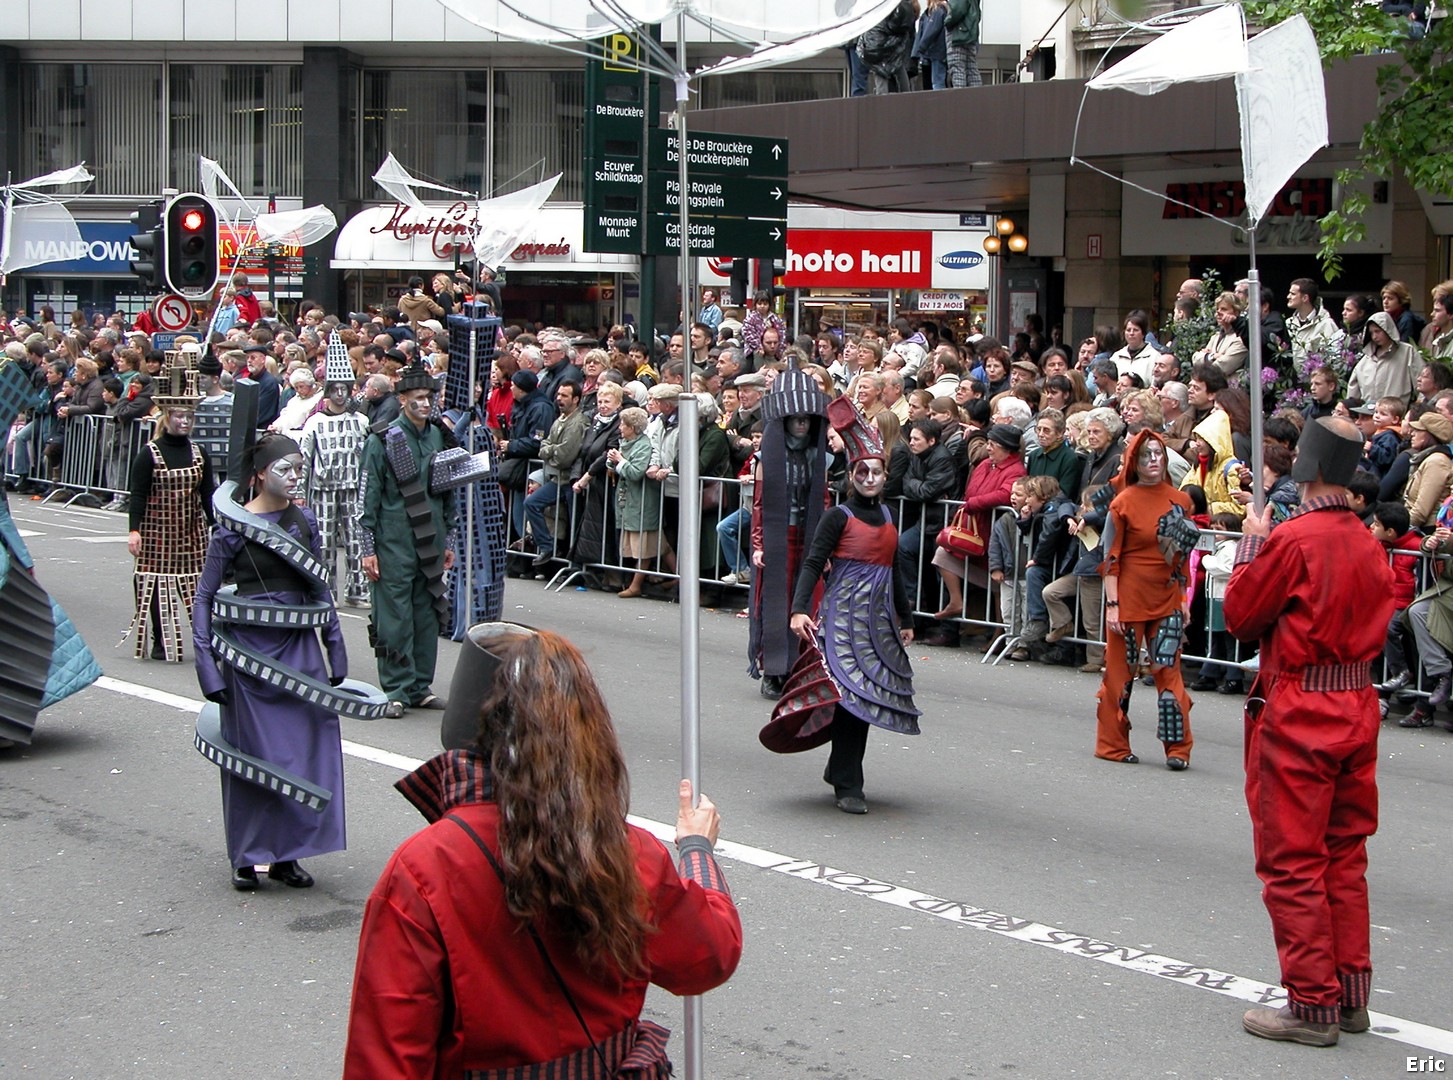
(407, 545)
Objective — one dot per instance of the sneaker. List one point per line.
(733, 578)
(1442, 691)
(1092, 669)
(1354, 1019)
(1034, 631)
(1021, 653)
(1420, 717)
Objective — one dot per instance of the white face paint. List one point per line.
(179, 422)
(1150, 462)
(869, 476)
(338, 395)
(418, 405)
(281, 478)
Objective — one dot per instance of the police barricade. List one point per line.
(25, 452)
(96, 455)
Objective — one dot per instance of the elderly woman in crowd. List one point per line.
(1225, 349)
(638, 499)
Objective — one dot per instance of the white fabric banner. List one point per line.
(1282, 99)
(33, 234)
(502, 222)
(787, 52)
(296, 227)
(400, 183)
(1209, 47)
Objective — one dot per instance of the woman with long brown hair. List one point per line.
(528, 827)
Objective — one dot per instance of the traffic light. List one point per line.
(741, 276)
(773, 284)
(146, 230)
(191, 242)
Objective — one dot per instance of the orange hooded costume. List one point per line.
(1148, 536)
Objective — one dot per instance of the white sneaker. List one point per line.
(733, 578)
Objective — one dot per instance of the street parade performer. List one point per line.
(272, 725)
(44, 658)
(332, 445)
(171, 505)
(1317, 594)
(853, 669)
(408, 544)
(787, 503)
(1149, 535)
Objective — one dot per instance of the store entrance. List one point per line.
(844, 312)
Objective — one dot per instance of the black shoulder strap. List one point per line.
(535, 937)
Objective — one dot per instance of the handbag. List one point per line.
(645, 1048)
(961, 537)
(513, 472)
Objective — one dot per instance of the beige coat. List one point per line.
(1429, 483)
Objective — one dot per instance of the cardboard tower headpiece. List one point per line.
(795, 393)
(338, 368)
(861, 438)
(1324, 454)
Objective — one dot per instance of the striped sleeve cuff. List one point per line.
(1247, 548)
(697, 863)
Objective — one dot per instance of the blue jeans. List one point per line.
(536, 503)
(1035, 579)
(857, 73)
(937, 73)
(729, 539)
(21, 446)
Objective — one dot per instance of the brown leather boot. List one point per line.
(1355, 1019)
(1282, 1026)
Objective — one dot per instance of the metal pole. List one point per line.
(467, 548)
(688, 546)
(1253, 335)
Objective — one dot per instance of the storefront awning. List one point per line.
(397, 237)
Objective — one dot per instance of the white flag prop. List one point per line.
(212, 175)
(298, 228)
(1282, 99)
(400, 183)
(76, 174)
(503, 221)
(769, 54)
(37, 233)
(1209, 47)
(582, 20)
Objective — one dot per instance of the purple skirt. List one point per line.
(263, 826)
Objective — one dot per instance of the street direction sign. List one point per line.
(709, 153)
(719, 196)
(742, 237)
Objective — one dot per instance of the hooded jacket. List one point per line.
(1393, 374)
(1210, 476)
(1150, 576)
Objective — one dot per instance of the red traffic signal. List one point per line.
(192, 244)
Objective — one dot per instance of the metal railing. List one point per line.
(89, 454)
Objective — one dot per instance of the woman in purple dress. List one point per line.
(259, 661)
(853, 669)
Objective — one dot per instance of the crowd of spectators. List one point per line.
(1022, 433)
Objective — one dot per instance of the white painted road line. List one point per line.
(961, 913)
(100, 539)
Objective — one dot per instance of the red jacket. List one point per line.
(249, 310)
(1404, 568)
(989, 486)
(447, 980)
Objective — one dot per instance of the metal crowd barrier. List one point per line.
(94, 456)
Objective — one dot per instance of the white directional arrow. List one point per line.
(776, 150)
(775, 234)
(776, 193)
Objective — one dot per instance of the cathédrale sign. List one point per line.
(450, 231)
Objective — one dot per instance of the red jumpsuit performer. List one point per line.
(1148, 536)
(1317, 595)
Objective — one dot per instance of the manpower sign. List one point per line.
(104, 248)
(886, 259)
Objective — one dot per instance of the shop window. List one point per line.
(107, 115)
(435, 123)
(539, 127)
(246, 117)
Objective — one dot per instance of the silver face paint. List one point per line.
(419, 406)
(869, 476)
(179, 422)
(281, 478)
(1150, 463)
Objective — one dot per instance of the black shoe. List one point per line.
(942, 638)
(1420, 717)
(544, 558)
(244, 878)
(290, 874)
(430, 701)
(158, 652)
(1394, 683)
(852, 804)
(1201, 685)
(1442, 691)
(1130, 759)
(1177, 764)
(1231, 688)
(771, 687)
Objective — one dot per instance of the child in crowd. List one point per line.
(1391, 527)
(1217, 566)
(1007, 556)
(1381, 427)
(1083, 582)
(1324, 394)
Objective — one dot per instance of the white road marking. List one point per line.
(29, 532)
(101, 539)
(961, 913)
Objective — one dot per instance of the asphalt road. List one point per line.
(1011, 905)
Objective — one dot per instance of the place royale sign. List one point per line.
(450, 231)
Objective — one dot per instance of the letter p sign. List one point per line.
(620, 53)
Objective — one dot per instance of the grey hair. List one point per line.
(1107, 418)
